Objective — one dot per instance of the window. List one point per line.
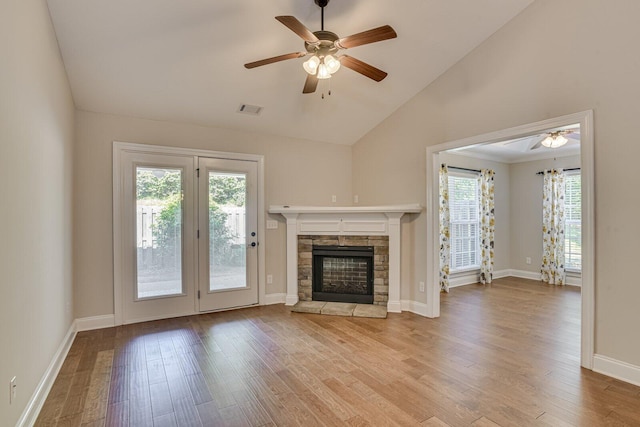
(573, 221)
(464, 207)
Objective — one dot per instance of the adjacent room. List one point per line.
(232, 213)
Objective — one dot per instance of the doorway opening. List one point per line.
(436, 154)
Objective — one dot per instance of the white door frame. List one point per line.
(585, 118)
(118, 224)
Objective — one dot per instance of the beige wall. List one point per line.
(36, 146)
(526, 209)
(522, 74)
(502, 194)
(296, 172)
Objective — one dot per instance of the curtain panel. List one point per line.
(553, 222)
(487, 225)
(445, 243)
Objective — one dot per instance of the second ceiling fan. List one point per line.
(323, 46)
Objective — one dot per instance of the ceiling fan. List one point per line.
(553, 139)
(323, 45)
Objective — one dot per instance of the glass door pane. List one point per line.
(228, 242)
(227, 231)
(159, 214)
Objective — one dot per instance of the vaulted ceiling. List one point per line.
(183, 60)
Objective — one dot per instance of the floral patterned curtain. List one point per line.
(487, 225)
(445, 244)
(553, 227)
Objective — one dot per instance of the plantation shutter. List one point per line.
(573, 222)
(464, 220)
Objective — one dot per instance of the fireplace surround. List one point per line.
(371, 222)
(379, 246)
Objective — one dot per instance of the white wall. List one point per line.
(36, 145)
(557, 57)
(296, 172)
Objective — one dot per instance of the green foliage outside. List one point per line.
(163, 189)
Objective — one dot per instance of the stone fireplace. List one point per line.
(373, 226)
(344, 269)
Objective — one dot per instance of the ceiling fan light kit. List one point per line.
(554, 140)
(323, 47)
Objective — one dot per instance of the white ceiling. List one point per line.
(183, 60)
(521, 149)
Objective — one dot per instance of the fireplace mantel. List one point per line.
(347, 221)
(293, 210)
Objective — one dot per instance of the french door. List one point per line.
(185, 233)
(228, 227)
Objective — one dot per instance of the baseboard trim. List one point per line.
(275, 299)
(415, 307)
(32, 410)
(291, 300)
(522, 274)
(394, 307)
(570, 279)
(473, 278)
(95, 322)
(617, 369)
(464, 279)
(499, 274)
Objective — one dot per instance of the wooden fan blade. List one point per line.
(297, 27)
(362, 68)
(275, 59)
(310, 84)
(371, 36)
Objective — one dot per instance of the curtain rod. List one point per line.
(463, 169)
(564, 170)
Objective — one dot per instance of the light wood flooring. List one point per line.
(504, 354)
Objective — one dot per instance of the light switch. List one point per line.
(272, 224)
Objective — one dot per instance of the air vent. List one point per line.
(254, 110)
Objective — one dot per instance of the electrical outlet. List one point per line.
(334, 198)
(13, 389)
(269, 279)
(356, 199)
(421, 286)
(528, 260)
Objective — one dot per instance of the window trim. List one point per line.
(573, 269)
(475, 267)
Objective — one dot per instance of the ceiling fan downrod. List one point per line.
(322, 4)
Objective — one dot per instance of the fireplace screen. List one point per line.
(343, 274)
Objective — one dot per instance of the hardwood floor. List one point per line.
(506, 354)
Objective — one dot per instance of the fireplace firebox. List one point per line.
(343, 274)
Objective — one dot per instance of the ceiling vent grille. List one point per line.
(253, 110)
